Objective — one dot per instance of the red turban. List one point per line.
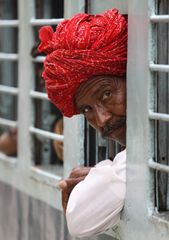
(84, 46)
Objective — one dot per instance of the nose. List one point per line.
(102, 115)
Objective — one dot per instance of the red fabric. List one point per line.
(84, 46)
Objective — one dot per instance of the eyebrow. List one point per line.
(98, 91)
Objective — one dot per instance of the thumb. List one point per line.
(62, 184)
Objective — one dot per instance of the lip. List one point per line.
(118, 135)
(114, 133)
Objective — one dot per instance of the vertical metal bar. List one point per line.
(25, 72)
(168, 113)
(162, 99)
(96, 148)
(138, 126)
(73, 143)
(87, 6)
(74, 127)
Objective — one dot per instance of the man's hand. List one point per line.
(77, 175)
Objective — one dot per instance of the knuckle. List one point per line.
(75, 171)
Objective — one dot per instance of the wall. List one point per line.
(24, 218)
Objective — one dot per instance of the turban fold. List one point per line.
(82, 47)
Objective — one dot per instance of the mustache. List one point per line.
(109, 127)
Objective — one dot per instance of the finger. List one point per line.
(76, 173)
(62, 184)
(71, 183)
(65, 198)
(79, 172)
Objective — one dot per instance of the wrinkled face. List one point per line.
(102, 100)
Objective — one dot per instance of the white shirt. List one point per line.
(95, 203)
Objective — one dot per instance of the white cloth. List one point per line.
(95, 203)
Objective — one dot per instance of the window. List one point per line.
(8, 76)
(146, 119)
(161, 106)
(37, 164)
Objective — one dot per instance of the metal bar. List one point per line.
(9, 123)
(158, 116)
(9, 23)
(26, 11)
(39, 95)
(41, 22)
(9, 56)
(158, 166)
(10, 90)
(39, 59)
(46, 177)
(46, 134)
(159, 67)
(159, 18)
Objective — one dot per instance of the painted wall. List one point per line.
(25, 218)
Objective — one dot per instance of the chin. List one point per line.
(121, 142)
(119, 137)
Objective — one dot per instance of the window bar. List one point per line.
(9, 23)
(8, 123)
(43, 176)
(159, 67)
(9, 56)
(10, 90)
(160, 162)
(159, 18)
(39, 59)
(39, 95)
(158, 166)
(46, 134)
(97, 149)
(87, 6)
(41, 22)
(158, 116)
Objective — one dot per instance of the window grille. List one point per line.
(96, 148)
(29, 109)
(8, 71)
(161, 115)
(144, 112)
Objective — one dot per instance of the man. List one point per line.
(85, 72)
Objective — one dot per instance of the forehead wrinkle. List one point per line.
(86, 86)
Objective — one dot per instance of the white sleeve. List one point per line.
(95, 203)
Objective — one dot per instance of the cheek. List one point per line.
(92, 122)
(117, 105)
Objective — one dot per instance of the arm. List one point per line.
(95, 203)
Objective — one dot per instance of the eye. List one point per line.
(107, 94)
(85, 109)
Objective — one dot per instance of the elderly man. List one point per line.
(85, 72)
